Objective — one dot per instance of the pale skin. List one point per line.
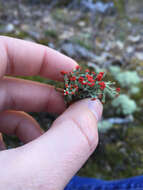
(47, 161)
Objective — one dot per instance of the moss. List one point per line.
(61, 15)
(135, 20)
(20, 35)
(120, 6)
(138, 96)
(44, 41)
(51, 33)
(118, 155)
(57, 84)
(141, 72)
(1, 6)
(84, 43)
(11, 141)
(83, 40)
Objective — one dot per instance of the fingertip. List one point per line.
(96, 108)
(85, 119)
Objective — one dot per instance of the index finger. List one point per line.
(19, 57)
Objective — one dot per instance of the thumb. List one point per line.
(52, 159)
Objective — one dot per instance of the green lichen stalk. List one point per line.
(79, 85)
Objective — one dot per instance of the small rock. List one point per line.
(109, 46)
(106, 55)
(66, 35)
(102, 58)
(130, 49)
(120, 44)
(9, 28)
(29, 39)
(81, 23)
(75, 50)
(108, 168)
(99, 59)
(16, 22)
(96, 67)
(69, 49)
(99, 44)
(51, 45)
(134, 39)
(120, 144)
(123, 150)
(25, 27)
(118, 120)
(139, 55)
(34, 34)
(98, 6)
(84, 53)
(47, 19)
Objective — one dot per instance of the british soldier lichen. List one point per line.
(79, 85)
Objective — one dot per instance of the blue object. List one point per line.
(84, 183)
(98, 6)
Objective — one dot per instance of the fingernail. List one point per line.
(96, 107)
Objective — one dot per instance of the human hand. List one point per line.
(49, 161)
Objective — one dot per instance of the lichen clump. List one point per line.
(124, 105)
(125, 78)
(79, 85)
(104, 126)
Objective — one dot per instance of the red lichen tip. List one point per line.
(117, 89)
(81, 79)
(91, 85)
(93, 99)
(84, 83)
(80, 85)
(102, 85)
(63, 72)
(73, 78)
(100, 76)
(87, 70)
(78, 67)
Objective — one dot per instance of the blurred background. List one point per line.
(105, 36)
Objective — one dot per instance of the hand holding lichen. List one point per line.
(79, 85)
